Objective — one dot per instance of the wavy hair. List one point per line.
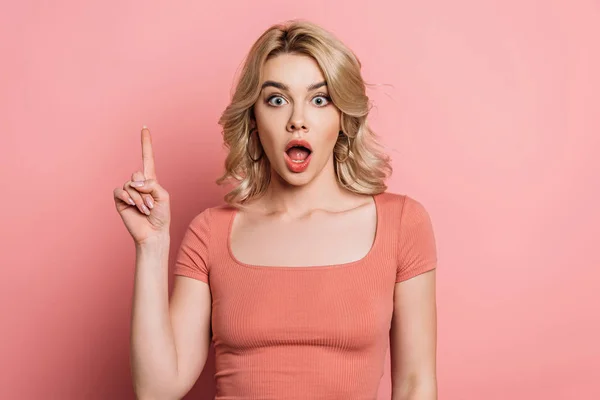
(365, 167)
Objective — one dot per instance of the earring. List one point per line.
(347, 152)
(248, 142)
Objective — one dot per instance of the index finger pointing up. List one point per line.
(148, 154)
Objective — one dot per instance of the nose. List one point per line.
(296, 121)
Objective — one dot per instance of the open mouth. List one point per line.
(298, 154)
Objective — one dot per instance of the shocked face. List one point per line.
(297, 122)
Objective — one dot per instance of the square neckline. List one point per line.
(365, 258)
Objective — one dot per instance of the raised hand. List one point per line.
(142, 203)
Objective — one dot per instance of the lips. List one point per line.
(297, 166)
(298, 159)
(298, 143)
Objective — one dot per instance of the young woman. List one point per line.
(309, 267)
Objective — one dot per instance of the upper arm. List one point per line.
(190, 310)
(190, 305)
(413, 333)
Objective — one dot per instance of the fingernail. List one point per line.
(145, 209)
(144, 127)
(149, 202)
(130, 200)
(137, 183)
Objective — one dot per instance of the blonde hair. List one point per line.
(366, 168)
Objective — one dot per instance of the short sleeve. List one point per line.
(416, 241)
(192, 256)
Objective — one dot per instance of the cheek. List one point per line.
(332, 138)
(265, 125)
(331, 119)
(330, 128)
(269, 118)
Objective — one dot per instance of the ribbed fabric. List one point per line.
(314, 332)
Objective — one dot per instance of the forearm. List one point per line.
(153, 351)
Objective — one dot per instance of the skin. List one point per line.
(280, 116)
(413, 338)
(296, 112)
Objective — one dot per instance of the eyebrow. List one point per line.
(283, 86)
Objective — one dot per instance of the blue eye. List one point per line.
(327, 100)
(275, 97)
(279, 100)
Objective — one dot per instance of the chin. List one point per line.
(293, 178)
(297, 179)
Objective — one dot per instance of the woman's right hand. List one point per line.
(145, 210)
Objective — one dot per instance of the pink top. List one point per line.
(305, 332)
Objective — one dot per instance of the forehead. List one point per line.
(295, 70)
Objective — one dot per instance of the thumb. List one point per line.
(151, 187)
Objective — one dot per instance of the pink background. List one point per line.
(490, 110)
